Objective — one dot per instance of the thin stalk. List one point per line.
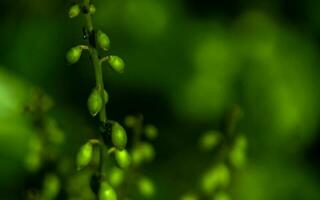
(95, 61)
(98, 76)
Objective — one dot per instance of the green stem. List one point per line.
(98, 76)
(96, 62)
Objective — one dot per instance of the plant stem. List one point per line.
(95, 61)
(98, 76)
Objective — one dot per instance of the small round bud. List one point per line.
(74, 54)
(116, 177)
(146, 187)
(103, 40)
(105, 96)
(116, 63)
(51, 186)
(92, 9)
(189, 196)
(151, 132)
(237, 155)
(209, 140)
(84, 156)
(130, 121)
(33, 158)
(137, 156)
(118, 136)
(123, 158)
(222, 196)
(106, 192)
(74, 11)
(148, 151)
(218, 176)
(95, 102)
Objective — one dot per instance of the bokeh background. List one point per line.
(187, 63)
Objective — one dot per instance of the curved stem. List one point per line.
(103, 59)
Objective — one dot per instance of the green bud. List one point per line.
(118, 136)
(116, 177)
(51, 186)
(218, 176)
(130, 121)
(74, 11)
(190, 196)
(241, 142)
(33, 157)
(95, 102)
(84, 156)
(237, 155)
(106, 192)
(103, 40)
(92, 9)
(116, 63)
(106, 96)
(209, 140)
(222, 196)
(123, 158)
(148, 151)
(74, 54)
(151, 132)
(146, 187)
(54, 133)
(137, 156)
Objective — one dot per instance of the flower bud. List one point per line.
(151, 132)
(106, 96)
(116, 177)
(209, 140)
(74, 11)
(148, 151)
(130, 121)
(116, 63)
(237, 154)
(137, 156)
(123, 158)
(51, 186)
(74, 54)
(189, 196)
(103, 40)
(84, 156)
(95, 102)
(92, 9)
(33, 158)
(218, 176)
(222, 196)
(146, 187)
(118, 136)
(106, 192)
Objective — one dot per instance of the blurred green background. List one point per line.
(187, 63)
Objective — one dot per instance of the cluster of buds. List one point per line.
(86, 156)
(97, 100)
(97, 40)
(230, 147)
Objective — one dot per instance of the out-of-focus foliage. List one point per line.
(187, 62)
